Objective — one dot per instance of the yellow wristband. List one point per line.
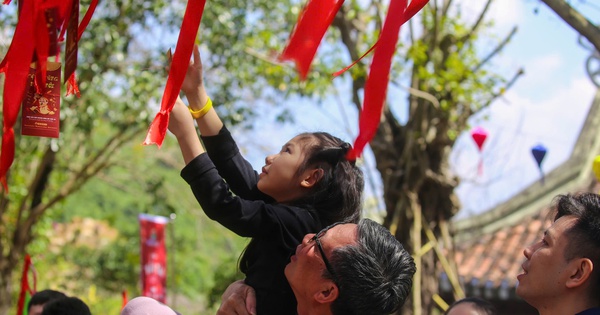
(202, 111)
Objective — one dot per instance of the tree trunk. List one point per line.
(5, 290)
(418, 195)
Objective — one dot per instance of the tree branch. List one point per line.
(419, 93)
(576, 20)
(475, 27)
(496, 50)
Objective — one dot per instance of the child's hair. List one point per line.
(337, 196)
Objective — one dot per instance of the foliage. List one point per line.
(121, 73)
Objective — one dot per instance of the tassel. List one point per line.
(72, 87)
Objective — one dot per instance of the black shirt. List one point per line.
(276, 229)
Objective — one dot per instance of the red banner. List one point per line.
(153, 256)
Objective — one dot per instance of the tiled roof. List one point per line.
(495, 259)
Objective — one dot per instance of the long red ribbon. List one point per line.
(24, 285)
(181, 58)
(42, 45)
(312, 24)
(14, 84)
(72, 87)
(378, 79)
(86, 18)
(414, 7)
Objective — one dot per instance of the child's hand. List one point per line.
(193, 84)
(181, 123)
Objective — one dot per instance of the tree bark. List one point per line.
(576, 20)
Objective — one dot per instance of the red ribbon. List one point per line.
(181, 59)
(86, 18)
(312, 24)
(42, 45)
(414, 7)
(378, 79)
(24, 285)
(72, 87)
(30, 36)
(124, 299)
(16, 65)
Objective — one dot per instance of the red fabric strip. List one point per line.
(63, 21)
(124, 299)
(72, 87)
(181, 59)
(414, 7)
(86, 18)
(42, 45)
(24, 285)
(356, 61)
(312, 24)
(377, 82)
(17, 69)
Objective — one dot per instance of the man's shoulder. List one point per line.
(591, 311)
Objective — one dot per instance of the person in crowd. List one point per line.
(143, 305)
(66, 306)
(561, 273)
(40, 298)
(306, 186)
(345, 269)
(471, 306)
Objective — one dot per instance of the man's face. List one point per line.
(545, 269)
(36, 309)
(305, 268)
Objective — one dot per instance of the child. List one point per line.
(306, 186)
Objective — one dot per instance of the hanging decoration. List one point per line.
(539, 152)
(124, 299)
(413, 8)
(379, 72)
(312, 24)
(34, 40)
(27, 290)
(479, 136)
(596, 167)
(181, 58)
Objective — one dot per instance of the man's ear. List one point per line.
(328, 293)
(580, 271)
(311, 177)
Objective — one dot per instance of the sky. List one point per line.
(546, 106)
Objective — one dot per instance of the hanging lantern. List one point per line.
(539, 152)
(479, 135)
(596, 167)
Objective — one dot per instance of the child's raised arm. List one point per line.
(208, 121)
(182, 126)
